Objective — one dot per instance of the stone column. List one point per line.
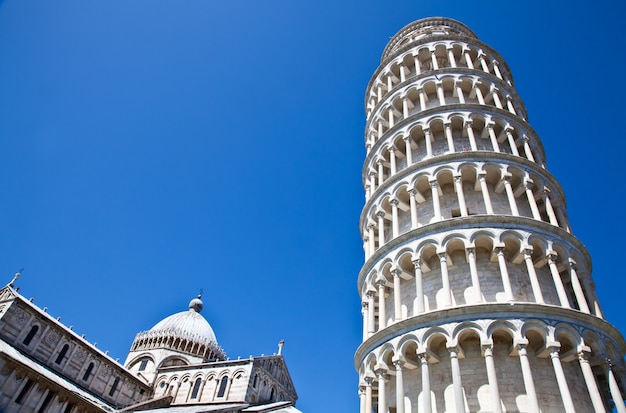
(419, 285)
(426, 401)
(506, 180)
(429, 144)
(395, 228)
(549, 209)
(458, 185)
(366, 317)
(433, 58)
(399, 386)
(418, 67)
(558, 282)
(590, 381)
(496, 69)
(527, 151)
(496, 97)
(397, 296)
(468, 59)
(471, 258)
(479, 93)
(422, 96)
(371, 313)
(382, 394)
(528, 187)
(381, 173)
(459, 92)
(509, 105)
(451, 57)
(616, 394)
(511, 140)
(370, 238)
(532, 274)
(381, 228)
(448, 132)
(390, 118)
(470, 135)
(578, 291)
(413, 203)
(492, 137)
(362, 398)
(392, 159)
(409, 151)
(528, 378)
(368, 394)
(504, 273)
(434, 185)
(382, 317)
(482, 177)
(440, 94)
(459, 400)
(568, 404)
(492, 377)
(445, 279)
(483, 63)
(405, 107)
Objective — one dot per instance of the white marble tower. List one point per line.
(476, 295)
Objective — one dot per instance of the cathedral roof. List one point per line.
(186, 332)
(187, 323)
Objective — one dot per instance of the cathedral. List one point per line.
(176, 366)
(476, 296)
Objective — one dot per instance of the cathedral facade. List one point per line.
(176, 366)
(476, 296)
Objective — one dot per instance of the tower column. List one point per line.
(459, 400)
(380, 283)
(448, 132)
(408, 150)
(470, 135)
(382, 391)
(426, 400)
(370, 314)
(482, 177)
(590, 381)
(458, 185)
(549, 209)
(532, 274)
(616, 394)
(511, 140)
(492, 377)
(365, 314)
(395, 227)
(392, 159)
(362, 398)
(445, 279)
(492, 137)
(578, 291)
(397, 295)
(429, 144)
(459, 92)
(434, 185)
(528, 187)
(504, 273)
(527, 151)
(419, 285)
(368, 394)
(558, 282)
(381, 228)
(506, 180)
(471, 258)
(568, 404)
(528, 377)
(399, 386)
(413, 204)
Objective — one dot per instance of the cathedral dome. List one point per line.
(187, 323)
(186, 332)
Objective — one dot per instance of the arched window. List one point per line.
(30, 335)
(196, 388)
(222, 389)
(114, 386)
(88, 372)
(272, 394)
(62, 354)
(256, 381)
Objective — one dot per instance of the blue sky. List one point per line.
(150, 149)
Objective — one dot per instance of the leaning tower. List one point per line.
(476, 295)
